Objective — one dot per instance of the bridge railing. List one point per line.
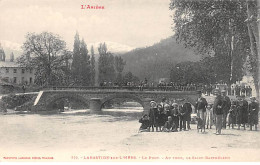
(131, 88)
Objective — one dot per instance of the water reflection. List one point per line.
(126, 113)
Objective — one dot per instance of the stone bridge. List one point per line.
(97, 98)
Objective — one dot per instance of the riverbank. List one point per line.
(63, 136)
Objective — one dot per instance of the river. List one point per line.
(76, 135)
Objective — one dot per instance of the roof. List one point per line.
(8, 64)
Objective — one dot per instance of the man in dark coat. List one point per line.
(253, 109)
(218, 112)
(188, 109)
(183, 117)
(200, 107)
(226, 107)
(242, 112)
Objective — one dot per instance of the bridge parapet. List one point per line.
(97, 98)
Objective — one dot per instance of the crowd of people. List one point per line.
(235, 89)
(170, 116)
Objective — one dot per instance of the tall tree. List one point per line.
(47, 57)
(76, 62)
(85, 69)
(119, 67)
(253, 25)
(105, 64)
(2, 53)
(92, 62)
(219, 27)
(12, 57)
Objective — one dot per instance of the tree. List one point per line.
(253, 25)
(119, 67)
(92, 62)
(46, 51)
(129, 77)
(220, 28)
(105, 64)
(2, 53)
(75, 67)
(85, 70)
(12, 57)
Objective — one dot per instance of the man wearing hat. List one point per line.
(242, 109)
(226, 107)
(200, 107)
(253, 113)
(218, 111)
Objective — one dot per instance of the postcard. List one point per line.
(129, 81)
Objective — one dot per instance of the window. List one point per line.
(23, 70)
(31, 70)
(15, 80)
(7, 70)
(15, 70)
(30, 80)
(22, 79)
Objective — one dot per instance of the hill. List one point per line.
(155, 61)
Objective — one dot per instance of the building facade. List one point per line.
(13, 73)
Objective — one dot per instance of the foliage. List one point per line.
(154, 62)
(119, 67)
(2, 53)
(85, 65)
(92, 62)
(215, 27)
(106, 65)
(129, 77)
(46, 53)
(81, 69)
(12, 57)
(13, 101)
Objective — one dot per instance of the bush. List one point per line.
(13, 101)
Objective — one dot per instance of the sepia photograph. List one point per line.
(129, 81)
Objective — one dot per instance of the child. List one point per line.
(152, 115)
(231, 117)
(145, 124)
(209, 116)
(161, 117)
(175, 116)
(168, 125)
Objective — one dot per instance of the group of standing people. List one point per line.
(239, 112)
(167, 116)
(222, 113)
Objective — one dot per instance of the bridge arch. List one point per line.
(130, 96)
(51, 101)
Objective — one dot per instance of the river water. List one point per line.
(114, 132)
(69, 131)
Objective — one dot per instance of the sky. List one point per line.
(136, 23)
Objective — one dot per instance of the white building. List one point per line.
(13, 73)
